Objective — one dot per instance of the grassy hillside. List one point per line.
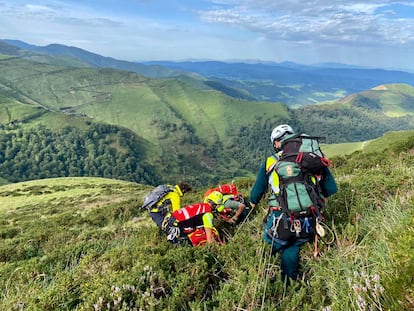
(332, 150)
(131, 100)
(387, 141)
(395, 100)
(82, 244)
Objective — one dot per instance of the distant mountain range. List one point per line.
(292, 84)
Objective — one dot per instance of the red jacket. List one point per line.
(190, 217)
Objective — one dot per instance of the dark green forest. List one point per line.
(101, 151)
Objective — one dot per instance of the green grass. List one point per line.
(388, 140)
(68, 190)
(332, 150)
(365, 262)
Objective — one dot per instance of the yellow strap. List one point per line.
(273, 178)
(270, 163)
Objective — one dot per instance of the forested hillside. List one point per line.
(187, 132)
(100, 150)
(82, 244)
(164, 129)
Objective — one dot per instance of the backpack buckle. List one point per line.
(296, 226)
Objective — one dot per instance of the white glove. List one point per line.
(173, 232)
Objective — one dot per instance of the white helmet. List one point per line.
(279, 131)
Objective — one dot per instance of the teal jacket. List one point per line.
(260, 185)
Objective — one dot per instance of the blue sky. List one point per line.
(373, 33)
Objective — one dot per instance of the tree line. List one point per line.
(101, 151)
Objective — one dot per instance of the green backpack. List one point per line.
(298, 168)
(299, 194)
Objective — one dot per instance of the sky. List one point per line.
(371, 33)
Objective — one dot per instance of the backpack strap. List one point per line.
(161, 207)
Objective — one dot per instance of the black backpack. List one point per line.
(305, 151)
(300, 197)
(156, 195)
(298, 167)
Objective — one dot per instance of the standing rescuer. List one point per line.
(298, 179)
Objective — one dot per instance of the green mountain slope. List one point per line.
(189, 131)
(82, 243)
(394, 100)
(70, 55)
(387, 141)
(293, 84)
(129, 99)
(14, 51)
(366, 115)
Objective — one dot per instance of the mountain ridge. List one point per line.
(294, 84)
(93, 59)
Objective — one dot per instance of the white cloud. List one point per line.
(326, 22)
(38, 8)
(349, 31)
